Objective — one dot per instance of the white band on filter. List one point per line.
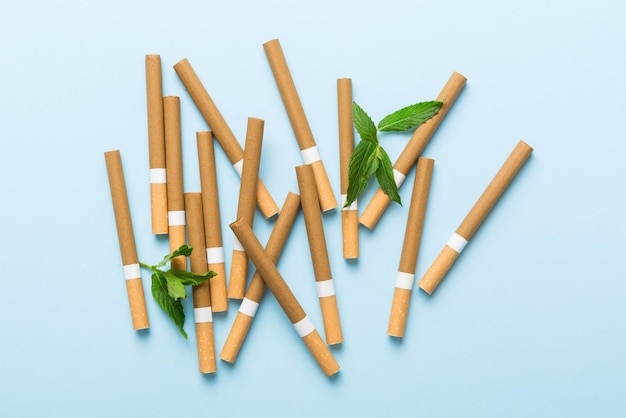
(238, 166)
(325, 288)
(132, 271)
(353, 205)
(158, 176)
(398, 177)
(203, 315)
(457, 242)
(248, 307)
(176, 218)
(310, 155)
(237, 245)
(215, 255)
(404, 280)
(304, 327)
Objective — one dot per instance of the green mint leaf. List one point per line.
(363, 163)
(364, 124)
(172, 307)
(184, 250)
(384, 175)
(409, 117)
(192, 279)
(175, 288)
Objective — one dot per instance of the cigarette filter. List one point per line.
(299, 319)
(212, 220)
(413, 149)
(349, 215)
(156, 145)
(256, 290)
(203, 315)
(475, 217)
(221, 130)
(299, 123)
(410, 248)
(174, 163)
(319, 254)
(245, 208)
(123, 222)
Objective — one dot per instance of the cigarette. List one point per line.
(349, 215)
(319, 254)
(212, 220)
(273, 279)
(413, 149)
(410, 248)
(256, 290)
(174, 163)
(202, 312)
(156, 145)
(299, 123)
(221, 130)
(245, 208)
(475, 217)
(123, 222)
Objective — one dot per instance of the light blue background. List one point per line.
(529, 322)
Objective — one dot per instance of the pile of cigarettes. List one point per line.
(195, 215)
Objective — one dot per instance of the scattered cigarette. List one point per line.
(174, 164)
(299, 123)
(245, 208)
(475, 217)
(221, 130)
(410, 248)
(319, 254)
(202, 312)
(349, 215)
(156, 144)
(256, 290)
(285, 297)
(413, 149)
(212, 220)
(126, 238)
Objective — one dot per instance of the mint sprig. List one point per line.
(369, 157)
(168, 286)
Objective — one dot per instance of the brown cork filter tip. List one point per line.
(410, 246)
(414, 148)
(126, 238)
(245, 208)
(221, 130)
(298, 119)
(349, 216)
(156, 143)
(283, 295)
(212, 218)
(201, 293)
(256, 290)
(319, 252)
(476, 216)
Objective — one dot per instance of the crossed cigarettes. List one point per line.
(286, 299)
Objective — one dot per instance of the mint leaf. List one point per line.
(364, 124)
(409, 117)
(192, 279)
(174, 308)
(184, 250)
(384, 175)
(363, 163)
(175, 288)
